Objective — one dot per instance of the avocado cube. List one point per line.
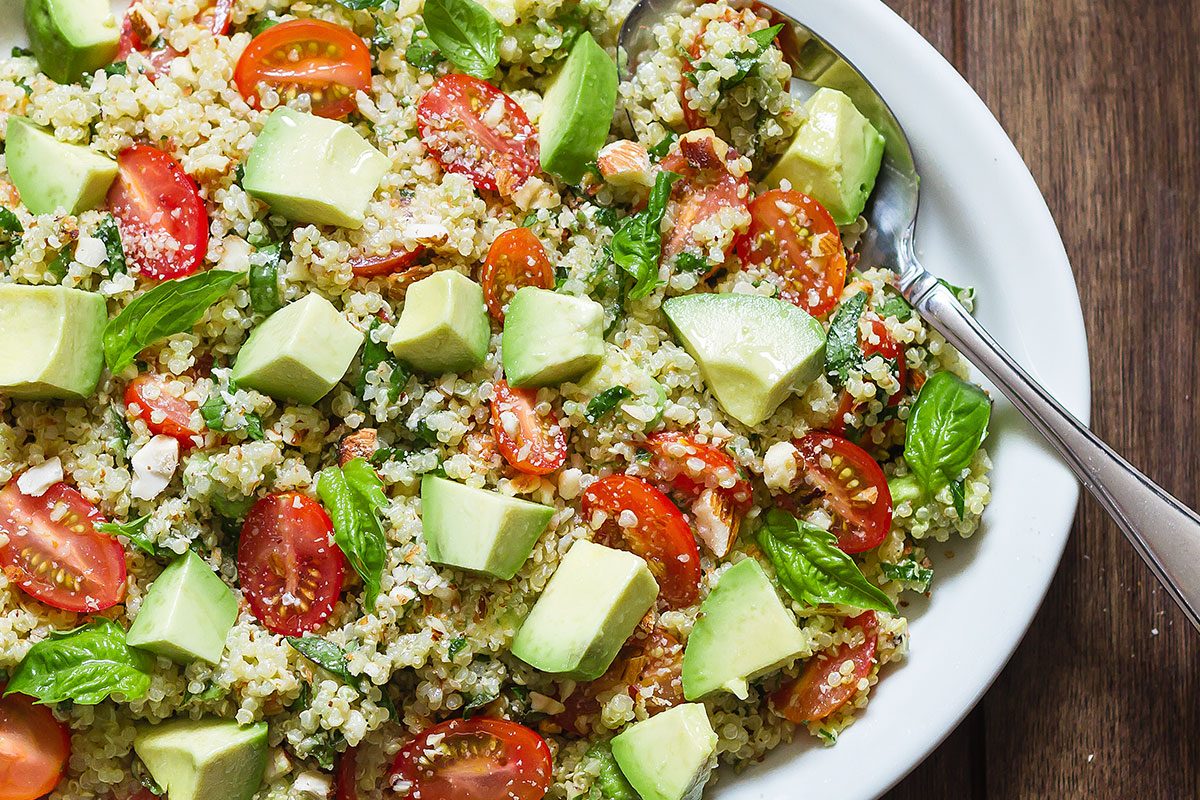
(186, 614)
(204, 759)
(743, 632)
(444, 326)
(314, 170)
(550, 338)
(578, 110)
(52, 340)
(478, 530)
(670, 755)
(298, 353)
(753, 351)
(835, 156)
(590, 607)
(53, 176)
(71, 38)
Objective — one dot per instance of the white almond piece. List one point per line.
(311, 783)
(90, 251)
(153, 467)
(36, 481)
(780, 465)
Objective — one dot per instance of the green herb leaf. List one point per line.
(659, 151)
(691, 262)
(108, 232)
(214, 410)
(609, 286)
(328, 656)
(423, 54)
(605, 402)
(254, 427)
(61, 263)
(356, 528)
(134, 531)
(359, 5)
(10, 223)
(466, 34)
(457, 645)
(169, 308)
(21, 52)
(121, 435)
(910, 572)
(842, 350)
(813, 569)
(265, 296)
(117, 68)
(382, 38)
(894, 305)
(747, 60)
(610, 783)
(965, 294)
(637, 244)
(84, 665)
(374, 354)
(323, 747)
(948, 423)
(958, 493)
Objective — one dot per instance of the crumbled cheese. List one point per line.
(153, 467)
(545, 705)
(36, 481)
(779, 465)
(90, 251)
(311, 783)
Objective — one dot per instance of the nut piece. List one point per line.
(626, 164)
(360, 444)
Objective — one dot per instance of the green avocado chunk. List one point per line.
(577, 110)
(550, 338)
(55, 176)
(444, 326)
(71, 38)
(835, 156)
(314, 170)
(298, 353)
(51, 338)
(590, 607)
(186, 614)
(670, 755)
(204, 759)
(743, 632)
(479, 530)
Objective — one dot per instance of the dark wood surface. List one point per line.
(1102, 98)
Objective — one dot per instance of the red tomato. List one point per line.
(164, 225)
(289, 568)
(515, 259)
(55, 553)
(660, 534)
(531, 443)
(131, 41)
(711, 182)
(164, 413)
(691, 467)
(887, 347)
(474, 759)
(474, 129)
(852, 488)
(345, 783)
(795, 238)
(393, 262)
(324, 61)
(745, 21)
(217, 17)
(34, 748)
(809, 697)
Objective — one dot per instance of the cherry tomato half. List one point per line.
(796, 239)
(851, 487)
(691, 466)
(474, 759)
(659, 534)
(515, 259)
(810, 697)
(346, 780)
(217, 17)
(163, 222)
(131, 41)
(289, 568)
(55, 553)
(531, 443)
(146, 398)
(326, 62)
(34, 748)
(711, 182)
(474, 129)
(390, 264)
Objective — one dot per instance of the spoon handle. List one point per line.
(1164, 531)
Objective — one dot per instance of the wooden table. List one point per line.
(1102, 98)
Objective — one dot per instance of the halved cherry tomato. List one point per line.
(796, 239)
(474, 129)
(474, 759)
(345, 783)
(289, 568)
(54, 551)
(711, 182)
(34, 748)
(851, 487)
(691, 466)
(531, 443)
(659, 534)
(164, 413)
(217, 17)
(515, 259)
(393, 262)
(163, 222)
(131, 41)
(809, 697)
(326, 62)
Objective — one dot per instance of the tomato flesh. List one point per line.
(393, 262)
(710, 183)
(474, 129)
(34, 748)
(55, 553)
(531, 443)
(146, 398)
(809, 697)
(473, 759)
(346, 780)
(515, 259)
(660, 534)
(691, 466)
(288, 566)
(887, 347)
(325, 62)
(851, 486)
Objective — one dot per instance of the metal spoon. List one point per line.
(1164, 531)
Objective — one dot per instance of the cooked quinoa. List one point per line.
(436, 643)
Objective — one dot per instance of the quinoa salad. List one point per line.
(396, 402)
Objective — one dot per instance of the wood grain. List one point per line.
(1102, 700)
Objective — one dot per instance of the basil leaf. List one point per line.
(958, 493)
(610, 783)
(746, 60)
(946, 426)
(59, 266)
(85, 666)
(323, 747)
(659, 151)
(214, 410)
(842, 350)
(609, 287)
(108, 232)
(423, 54)
(265, 296)
(965, 294)
(254, 427)
(117, 68)
(465, 33)
(894, 305)
(637, 244)
(382, 38)
(169, 308)
(121, 434)
(10, 222)
(375, 354)
(359, 5)
(328, 656)
(813, 569)
(134, 531)
(457, 645)
(605, 402)
(356, 528)
(910, 572)
(475, 702)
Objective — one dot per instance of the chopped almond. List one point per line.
(625, 163)
(716, 521)
(360, 444)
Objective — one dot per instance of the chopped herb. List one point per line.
(135, 531)
(265, 296)
(376, 354)
(561, 274)
(262, 23)
(894, 305)
(323, 747)
(25, 87)
(475, 702)
(239, 174)
(254, 427)
(659, 151)
(60, 265)
(603, 403)
(216, 407)
(637, 244)
(423, 54)
(465, 33)
(359, 5)
(9, 222)
(114, 252)
(382, 455)
(382, 38)
(609, 286)
(328, 656)
(117, 68)
(746, 61)
(827, 735)
(427, 434)
(606, 216)
(530, 220)
(457, 645)
(119, 442)
(22, 52)
(910, 572)
(842, 349)
(691, 262)
(213, 692)
(146, 779)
